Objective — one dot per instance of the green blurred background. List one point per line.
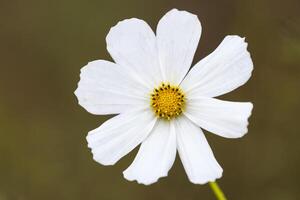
(43, 151)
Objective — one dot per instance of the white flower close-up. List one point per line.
(160, 101)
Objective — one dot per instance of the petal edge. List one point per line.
(228, 67)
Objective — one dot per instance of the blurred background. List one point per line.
(43, 151)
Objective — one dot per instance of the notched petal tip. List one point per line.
(76, 92)
(139, 180)
(120, 25)
(250, 109)
(203, 182)
(248, 113)
(176, 11)
(183, 13)
(104, 162)
(236, 40)
(235, 37)
(82, 101)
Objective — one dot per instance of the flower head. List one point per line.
(160, 103)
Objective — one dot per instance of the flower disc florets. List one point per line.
(167, 101)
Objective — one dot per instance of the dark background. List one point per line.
(43, 151)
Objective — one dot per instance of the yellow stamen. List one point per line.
(167, 101)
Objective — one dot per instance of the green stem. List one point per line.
(217, 191)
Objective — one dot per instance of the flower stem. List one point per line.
(217, 190)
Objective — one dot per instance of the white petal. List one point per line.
(178, 34)
(224, 118)
(105, 88)
(224, 70)
(156, 155)
(132, 44)
(119, 135)
(195, 153)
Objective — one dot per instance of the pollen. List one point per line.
(167, 101)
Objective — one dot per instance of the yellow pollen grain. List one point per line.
(167, 101)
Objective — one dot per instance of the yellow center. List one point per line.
(167, 101)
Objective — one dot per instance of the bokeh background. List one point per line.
(43, 151)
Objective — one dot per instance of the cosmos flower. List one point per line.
(160, 103)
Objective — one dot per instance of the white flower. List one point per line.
(159, 103)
